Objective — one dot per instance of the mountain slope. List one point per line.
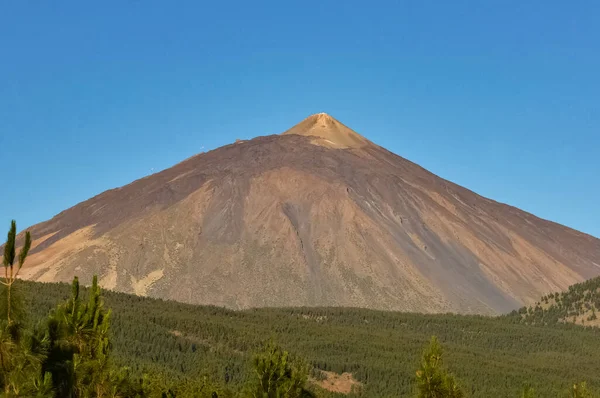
(316, 216)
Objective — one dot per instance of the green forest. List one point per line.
(66, 340)
(578, 305)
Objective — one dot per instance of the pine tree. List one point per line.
(580, 391)
(528, 392)
(10, 273)
(277, 375)
(433, 381)
(19, 357)
(79, 346)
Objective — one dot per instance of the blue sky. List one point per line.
(501, 97)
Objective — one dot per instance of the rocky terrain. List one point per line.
(317, 216)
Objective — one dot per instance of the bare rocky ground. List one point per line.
(317, 216)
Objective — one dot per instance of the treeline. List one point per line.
(149, 347)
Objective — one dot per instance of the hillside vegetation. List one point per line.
(578, 305)
(491, 357)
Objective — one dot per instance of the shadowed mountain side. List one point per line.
(316, 216)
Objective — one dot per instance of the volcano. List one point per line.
(316, 216)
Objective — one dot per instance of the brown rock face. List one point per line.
(318, 216)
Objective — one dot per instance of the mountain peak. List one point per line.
(311, 221)
(328, 132)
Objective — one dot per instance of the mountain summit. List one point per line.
(329, 131)
(316, 216)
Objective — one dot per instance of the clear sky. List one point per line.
(502, 97)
